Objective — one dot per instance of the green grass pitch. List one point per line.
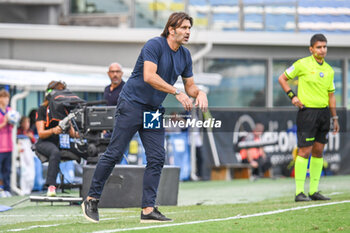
(211, 206)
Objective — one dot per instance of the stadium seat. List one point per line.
(223, 2)
(198, 2)
(224, 21)
(253, 2)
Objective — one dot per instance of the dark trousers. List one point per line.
(5, 164)
(128, 121)
(264, 164)
(52, 151)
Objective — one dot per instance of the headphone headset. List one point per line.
(53, 85)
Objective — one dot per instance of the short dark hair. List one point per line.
(317, 37)
(175, 20)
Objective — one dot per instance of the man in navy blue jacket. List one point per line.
(161, 61)
(112, 91)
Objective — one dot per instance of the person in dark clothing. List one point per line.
(112, 91)
(161, 61)
(48, 143)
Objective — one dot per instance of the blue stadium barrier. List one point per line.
(181, 153)
(39, 179)
(67, 169)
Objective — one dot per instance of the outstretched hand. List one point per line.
(185, 101)
(202, 101)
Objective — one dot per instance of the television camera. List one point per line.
(93, 124)
(91, 120)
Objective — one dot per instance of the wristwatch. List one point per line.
(177, 91)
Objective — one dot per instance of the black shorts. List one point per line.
(313, 125)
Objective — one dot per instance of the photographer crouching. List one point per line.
(48, 131)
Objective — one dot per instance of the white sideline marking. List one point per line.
(223, 219)
(334, 193)
(32, 227)
(186, 223)
(39, 215)
(55, 225)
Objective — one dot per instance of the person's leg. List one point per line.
(108, 159)
(128, 120)
(50, 150)
(6, 170)
(265, 164)
(316, 165)
(300, 167)
(255, 170)
(153, 142)
(316, 162)
(306, 131)
(2, 157)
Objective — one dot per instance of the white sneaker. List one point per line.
(2, 193)
(51, 191)
(8, 194)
